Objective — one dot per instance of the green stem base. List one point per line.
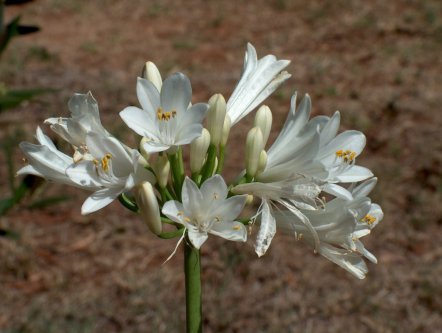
(192, 270)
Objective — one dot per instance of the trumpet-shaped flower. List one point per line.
(165, 118)
(109, 171)
(208, 210)
(313, 148)
(338, 226)
(259, 79)
(85, 117)
(295, 193)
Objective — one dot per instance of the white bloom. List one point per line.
(165, 118)
(259, 79)
(110, 171)
(339, 225)
(312, 148)
(294, 193)
(208, 210)
(85, 117)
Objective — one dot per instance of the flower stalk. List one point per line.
(192, 271)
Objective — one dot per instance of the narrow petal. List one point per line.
(99, 199)
(214, 187)
(197, 238)
(148, 95)
(266, 231)
(354, 174)
(188, 134)
(191, 197)
(140, 121)
(231, 230)
(83, 174)
(337, 191)
(229, 209)
(174, 210)
(364, 189)
(351, 262)
(176, 93)
(155, 147)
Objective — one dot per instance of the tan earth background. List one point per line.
(378, 62)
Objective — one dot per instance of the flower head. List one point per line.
(165, 118)
(208, 210)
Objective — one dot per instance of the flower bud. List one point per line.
(262, 162)
(143, 151)
(263, 119)
(148, 207)
(198, 150)
(215, 118)
(161, 167)
(254, 146)
(151, 73)
(226, 130)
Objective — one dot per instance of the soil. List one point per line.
(378, 62)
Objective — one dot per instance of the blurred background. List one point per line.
(378, 62)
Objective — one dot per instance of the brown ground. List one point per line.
(379, 62)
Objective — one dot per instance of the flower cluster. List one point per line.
(307, 180)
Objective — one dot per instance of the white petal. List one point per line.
(191, 197)
(364, 189)
(353, 174)
(231, 230)
(229, 209)
(99, 199)
(148, 95)
(214, 187)
(338, 191)
(266, 231)
(194, 115)
(197, 238)
(188, 134)
(351, 262)
(331, 128)
(174, 210)
(83, 174)
(140, 121)
(176, 93)
(155, 147)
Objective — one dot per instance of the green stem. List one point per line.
(192, 270)
(210, 163)
(177, 166)
(222, 150)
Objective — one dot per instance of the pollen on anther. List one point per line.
(236, 227)
(369, 219)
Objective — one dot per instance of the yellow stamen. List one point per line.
(236, 227)
(369, 219)
(165, 115)
(347, 155)
(105, 162)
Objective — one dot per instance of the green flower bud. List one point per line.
(215, 118)
(263, 119)
(198, 150)
(148, 207)
(254, 146)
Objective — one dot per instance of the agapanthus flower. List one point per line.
(338, 227)
(259, 79)
(100, 162)
(166, 118)
(85, 117)
(294, 193)
(208, 210)
(313, 148)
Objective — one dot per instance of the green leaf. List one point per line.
(9, 32)
(27, 29)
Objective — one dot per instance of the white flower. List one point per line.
(258, 80)
(338, 226)
(208, 210)
(110, 171)
(312, 148)
(294, 193)
(85, 117)
(165, 118)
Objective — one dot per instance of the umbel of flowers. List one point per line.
(308, 162)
